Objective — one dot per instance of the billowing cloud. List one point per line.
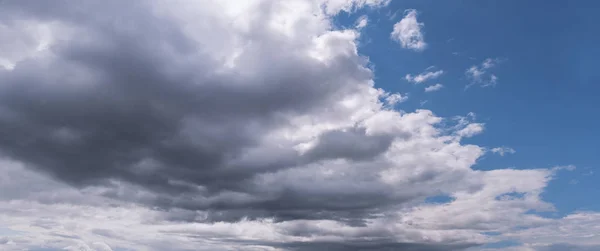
(222, 125)
(408, 32)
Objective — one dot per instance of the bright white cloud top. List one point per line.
(234, 125)
(408, 32)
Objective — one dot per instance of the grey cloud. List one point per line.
(101, 106)
(132, 129)
(377, 245)
(353, 144)
(568, 247)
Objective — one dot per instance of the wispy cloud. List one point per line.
(433, 88)
(420, 78)
(392, 99)
(503, 150)
(480, 74)
(408, 32)
(362, 22)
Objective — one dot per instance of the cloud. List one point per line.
(332, 7)
(362, 22)
(503, 150)
(573, 232)
(392, 99)
(125, 126)
(471, 130)
(479, 74)
(423, 77)
(433, 88)
(408, 33)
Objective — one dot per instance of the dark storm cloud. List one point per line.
(353, 144)
(148, 106)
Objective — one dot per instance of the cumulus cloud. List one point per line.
(123, 125)
(423, 77)
(480, 75)
(433, 88)
(408, 33)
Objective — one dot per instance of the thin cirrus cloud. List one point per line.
(433, 88)
(481, 75)
(423, 77)
(408, 32)
(362, 22)
(266, 135)
(503, 150)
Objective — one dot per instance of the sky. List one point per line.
(415, 125)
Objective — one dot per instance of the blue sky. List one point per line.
(544, 104)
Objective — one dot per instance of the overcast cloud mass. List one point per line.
(234, 125)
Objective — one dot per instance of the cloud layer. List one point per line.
(148, 125)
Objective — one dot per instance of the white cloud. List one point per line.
(266, 134)
(471, 130)
(577, 232)
(408, 32)
(433, 88)
(479, 74)
(503, 150)
(333, 7)
(395, 98)
(362, 22)
(567, 167)
(423, 77)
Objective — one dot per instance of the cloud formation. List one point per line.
(433, 88)
(362, 22)
(408, 32)
(423, 77)
(503, 150)
(217, 125)
(480, 75)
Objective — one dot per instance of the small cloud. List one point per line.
(479, 74)
(393, 99)
(420, 78)
(408, 33)
(489, 63)
(567, 168)
(471, 130)
(433, 88)
(423, 102)
(503, 150)
(362, 22)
